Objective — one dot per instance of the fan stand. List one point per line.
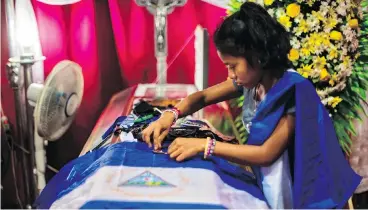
(19, 72)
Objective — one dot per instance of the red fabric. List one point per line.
(134, 37)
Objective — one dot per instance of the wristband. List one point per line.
(206, 148)
(176, 113)
(210, 147)
(177, 110)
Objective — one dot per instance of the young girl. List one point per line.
(292, 145)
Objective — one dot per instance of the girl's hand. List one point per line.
(185, 148)
(158, 130)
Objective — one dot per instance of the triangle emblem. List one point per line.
(147, 179)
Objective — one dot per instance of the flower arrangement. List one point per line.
(329, 47)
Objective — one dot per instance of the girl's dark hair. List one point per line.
(253, 34)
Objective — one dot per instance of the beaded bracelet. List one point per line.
(210, 147)
(175, 111)
(206, 148)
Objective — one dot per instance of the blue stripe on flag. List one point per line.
(142, 205)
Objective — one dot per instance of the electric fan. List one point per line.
(56, 103)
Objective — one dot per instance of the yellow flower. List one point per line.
(304, 52)
(268, 2)
(315, 39)
(324, 75)
(330, 22)
(320, 62)
(353, 23)
(346, 61)
(302, 27)
(335, 100)
(336, 35)
(333, 79)
(318, 15)
(293, 55)
(331, 12)
(305, 70)
(293, 10)
(332, 54)
(285, 21)
(314, 42)
(310, 2)
(325, 39)
(311, 48)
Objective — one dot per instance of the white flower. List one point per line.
(319, 50)
(260, 2)
(344, 51)
(280, 12)
(324, 101)
(295, 43)
(341, 86)
(323, 9)
(348, 4)
(338, 45)
(271, 12)
(299, 18)
(341, 9)
(327, 30)
(354, 45)
(324, 4)
(315, 73)
(313, 22)
(349, 34)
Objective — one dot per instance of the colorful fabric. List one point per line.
(322, 177)
(128, 175)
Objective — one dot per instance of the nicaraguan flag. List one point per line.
(130, 175)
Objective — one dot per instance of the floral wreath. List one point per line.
(329, 42)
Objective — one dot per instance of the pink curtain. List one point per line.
(134, 39)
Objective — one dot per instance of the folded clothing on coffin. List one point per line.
(190, 129)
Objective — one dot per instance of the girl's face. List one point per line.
(241, 71)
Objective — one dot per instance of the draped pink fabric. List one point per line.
(134, 37)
